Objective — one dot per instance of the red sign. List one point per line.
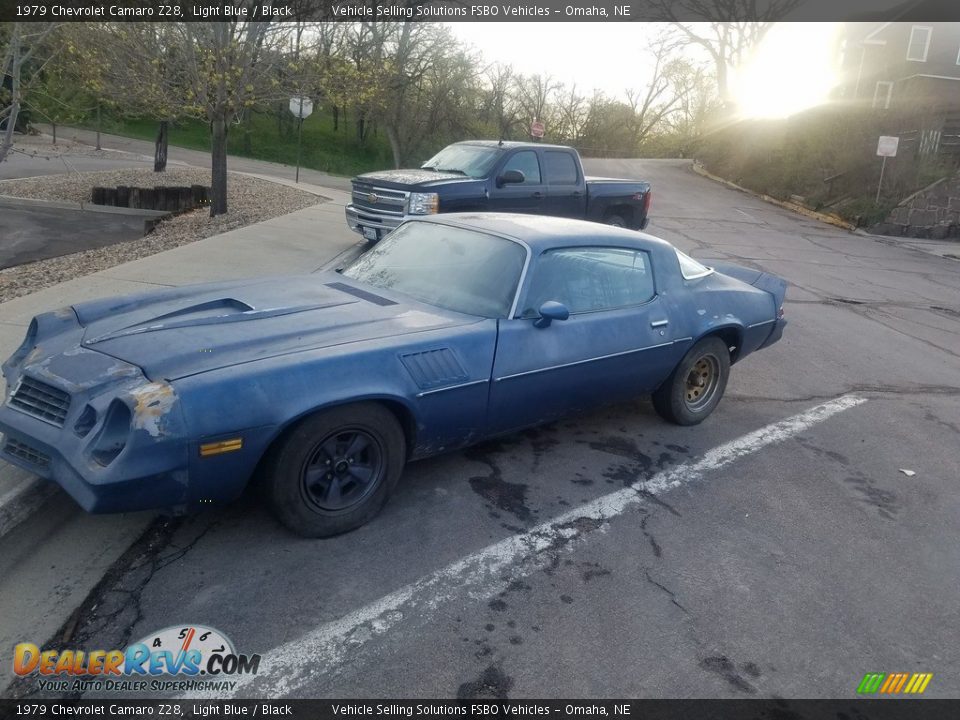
(536, 129)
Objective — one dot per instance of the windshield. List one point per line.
(472, 160)
(462, 270)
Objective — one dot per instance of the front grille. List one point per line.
(377, 199)
(41, 400)
(25, 452)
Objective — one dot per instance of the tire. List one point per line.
(615, 221)
(334, 471)
(696, 385)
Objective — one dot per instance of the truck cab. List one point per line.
(487, 176)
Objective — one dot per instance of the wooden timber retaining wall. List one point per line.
(167, 199)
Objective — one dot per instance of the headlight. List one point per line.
(113, 434)
(424, 203)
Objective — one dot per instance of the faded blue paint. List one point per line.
(187, 366)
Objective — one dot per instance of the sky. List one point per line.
(792, 69)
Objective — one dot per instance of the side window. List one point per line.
(561, 168)
(526, 162)
(590, 279)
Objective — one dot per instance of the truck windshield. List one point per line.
(472, 160)
(450, 267)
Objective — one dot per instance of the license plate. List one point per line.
(369, 233)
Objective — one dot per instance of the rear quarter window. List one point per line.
(690, 268)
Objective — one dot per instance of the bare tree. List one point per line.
(21, 63)
(534, 94)
(572, 111)
(732, 28)
(498, 104)
(662, 95)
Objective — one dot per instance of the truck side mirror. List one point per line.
(551, 310)
(511, 177)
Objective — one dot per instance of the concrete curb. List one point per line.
(25, 498)
(86, 207)
(793, 207)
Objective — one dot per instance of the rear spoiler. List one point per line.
(774, 285)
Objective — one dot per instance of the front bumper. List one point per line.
(138, 479)
(376, 223)
(117, 442)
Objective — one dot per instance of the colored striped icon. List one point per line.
(894, 683)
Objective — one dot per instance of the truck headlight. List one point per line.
(424, 203)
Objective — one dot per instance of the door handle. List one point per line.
(537, 195)
(659, 323)
(577, 193)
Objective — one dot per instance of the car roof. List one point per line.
(541, 232)
(510, 144)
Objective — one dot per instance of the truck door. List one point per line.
(525, 197)
(566, 188)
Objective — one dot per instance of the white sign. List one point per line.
(301, 107)
(887, 147)
(537, 129)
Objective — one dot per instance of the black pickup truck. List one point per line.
(479, 175)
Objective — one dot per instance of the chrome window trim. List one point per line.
(649, 265)
(523, 276)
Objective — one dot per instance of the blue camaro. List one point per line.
(452, 330)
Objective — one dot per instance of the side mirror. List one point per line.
(551, 310)
(511, 177)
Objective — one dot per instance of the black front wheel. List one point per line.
(696, 385)
(335, 470)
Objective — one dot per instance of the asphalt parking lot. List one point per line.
(37, 231)
(777, 550)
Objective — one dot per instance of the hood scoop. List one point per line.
(212, 312)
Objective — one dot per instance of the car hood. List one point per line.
(410, 178)
(187, 331)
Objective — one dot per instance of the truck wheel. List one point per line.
(696, 385)
(615, 220)
(335, 470)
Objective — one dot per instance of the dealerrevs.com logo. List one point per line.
(179, 658)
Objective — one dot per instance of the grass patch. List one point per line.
(332, 151)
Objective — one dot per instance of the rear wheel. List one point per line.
(696, 385)
(335, 470)
(615, 220)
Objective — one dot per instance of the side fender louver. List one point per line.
(434, 368)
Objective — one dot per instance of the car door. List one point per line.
(566, 188)
(616, 344)
(525, 197)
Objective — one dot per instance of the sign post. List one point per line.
(886, 147)
(537, 130)
(301, 107)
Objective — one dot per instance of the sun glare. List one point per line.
(793, 69)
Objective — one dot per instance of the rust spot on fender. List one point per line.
(152, 402)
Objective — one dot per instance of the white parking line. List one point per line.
(291, 666)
